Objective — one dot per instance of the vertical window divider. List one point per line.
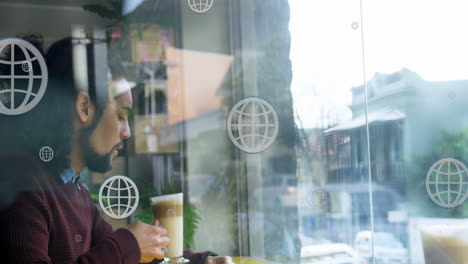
(369, 167)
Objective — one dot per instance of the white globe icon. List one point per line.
(16, 99)
(118, 197)
(200, 6)
(26, 67)
(252, 125)
(447, 182)
(46, 154)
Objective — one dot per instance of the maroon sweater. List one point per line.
(52, 222)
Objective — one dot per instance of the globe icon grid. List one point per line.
(200, 6)
(319, 198)
(122, 197)
(25, 66)
(252, 125)
(8, 90)
(46, 154)
(447, 183)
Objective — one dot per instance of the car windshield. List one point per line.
(386, 240)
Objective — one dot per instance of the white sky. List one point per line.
(429, 37)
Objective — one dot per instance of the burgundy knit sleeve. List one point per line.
(117, 247)
(29, 223)
(122, 239)
(24, 229)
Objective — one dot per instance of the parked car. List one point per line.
(344, 203)
(387, 248)
(330, 253)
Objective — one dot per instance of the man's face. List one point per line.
(101, 143)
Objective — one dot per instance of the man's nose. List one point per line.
(125, 131)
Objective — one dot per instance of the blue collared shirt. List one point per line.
(69, 176)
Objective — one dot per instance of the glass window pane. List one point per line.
(297, 131)
(415, 78)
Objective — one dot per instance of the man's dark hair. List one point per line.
(50, 122)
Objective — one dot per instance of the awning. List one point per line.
(382, 115)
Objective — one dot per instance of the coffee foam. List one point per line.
(169, 197)
(167, 209)
(167, 205)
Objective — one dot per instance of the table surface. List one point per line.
(245, 260)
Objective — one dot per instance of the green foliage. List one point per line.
(191, 222)
(145, 214)
(146, 191)
(452, 144)
(95, 198)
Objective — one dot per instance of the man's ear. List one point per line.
(84, 108)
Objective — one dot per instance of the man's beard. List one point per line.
(94, 161)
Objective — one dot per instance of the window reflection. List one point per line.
(368, 99)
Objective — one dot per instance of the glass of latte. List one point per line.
(446, 244)
(168, 209)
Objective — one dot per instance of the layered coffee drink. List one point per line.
(168, 209)
(443, 244)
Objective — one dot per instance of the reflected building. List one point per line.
(405, 115)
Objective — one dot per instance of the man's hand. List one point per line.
(151, 239)
(218, 260)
